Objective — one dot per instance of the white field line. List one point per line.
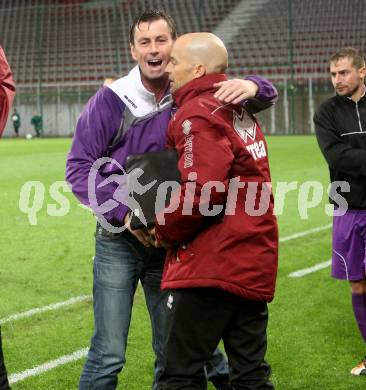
(305, 233)
(317, 267)
(81, 298)
(43, 309)
(83, 352)
(20, 376)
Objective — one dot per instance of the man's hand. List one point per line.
(157, 243)
(141, 234)
(235, 90)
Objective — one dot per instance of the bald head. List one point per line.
(206, 49)
(194, 55)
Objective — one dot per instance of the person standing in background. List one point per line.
(340, 124)
(16, 122)
(7, 92)
(37, 122)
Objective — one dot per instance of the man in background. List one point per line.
(37, 123)
(7, 92)
(341, 132)
(15, 118)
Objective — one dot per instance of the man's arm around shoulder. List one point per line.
(254, 92)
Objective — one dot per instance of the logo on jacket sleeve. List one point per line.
(188, 143)
(244, 125)
(186, 126)
(188, 151)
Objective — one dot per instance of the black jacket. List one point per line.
(341, 132)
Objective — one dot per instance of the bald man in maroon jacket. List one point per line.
(219, 228)
(7, 92)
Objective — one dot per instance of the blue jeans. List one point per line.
(120, 262)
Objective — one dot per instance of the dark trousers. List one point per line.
(197, 320)
(4, 384)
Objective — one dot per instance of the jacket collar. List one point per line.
(349, 99)
(196, 87)
(136, 97)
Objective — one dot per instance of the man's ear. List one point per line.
(132, 48)
(362, 72)
(199, 71)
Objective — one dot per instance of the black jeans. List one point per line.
(4, 384)
(197, 320)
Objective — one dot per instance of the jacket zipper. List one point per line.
(358, 116)
(164, 102)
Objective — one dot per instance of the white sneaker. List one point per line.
(360, 369)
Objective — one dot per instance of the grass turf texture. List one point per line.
(313, 338)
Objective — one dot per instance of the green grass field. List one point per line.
(313, 338)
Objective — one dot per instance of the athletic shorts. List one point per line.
(349, 246)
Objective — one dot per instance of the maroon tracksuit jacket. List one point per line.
(223, 211)
(7, 90)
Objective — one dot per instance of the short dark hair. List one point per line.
(151, 16)
(350, 52)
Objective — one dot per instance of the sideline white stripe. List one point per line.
(305, 233)
(14, 378)
(81, 298)
(38, 310)
(305, 271)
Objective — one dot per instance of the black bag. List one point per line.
(143, 170)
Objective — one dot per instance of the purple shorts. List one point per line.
(349, 246)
